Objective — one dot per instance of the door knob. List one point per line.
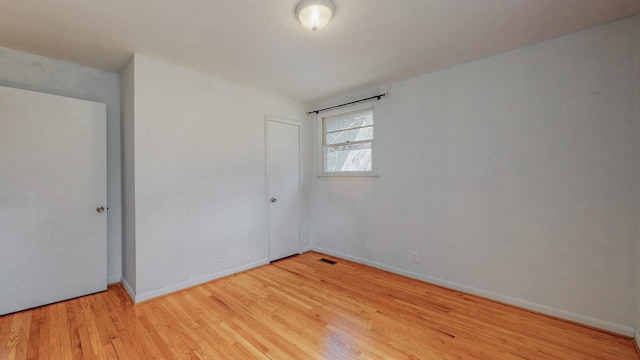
(100, 209)
(274, 199)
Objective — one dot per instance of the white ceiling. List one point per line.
(260, 43)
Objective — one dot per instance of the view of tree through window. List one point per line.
(347, 142)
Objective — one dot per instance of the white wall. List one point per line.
(514, 177)
(31, 72)
(199, 145)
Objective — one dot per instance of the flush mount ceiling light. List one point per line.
(315, 14)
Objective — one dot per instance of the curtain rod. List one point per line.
(349, 103)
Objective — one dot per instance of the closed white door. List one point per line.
(283, 179)
(53, 221)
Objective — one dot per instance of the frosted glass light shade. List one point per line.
(315, 14)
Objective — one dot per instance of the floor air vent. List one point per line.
(331, 262)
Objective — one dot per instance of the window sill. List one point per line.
(348, 177)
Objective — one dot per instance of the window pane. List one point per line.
(349, 121)
(349, 136)
(351, 157)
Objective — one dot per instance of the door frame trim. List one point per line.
(298, 124)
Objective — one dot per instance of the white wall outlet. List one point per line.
(220, 256)
(415, 258)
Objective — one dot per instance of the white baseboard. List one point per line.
(128, 289)
(586, 320)
(637, 338)
(147, 295)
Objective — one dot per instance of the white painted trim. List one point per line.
(637, 338)
(128, 289)
(113, 280)
(284, 121)
(203, 279)
(562, 314)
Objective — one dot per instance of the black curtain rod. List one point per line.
(349, 103)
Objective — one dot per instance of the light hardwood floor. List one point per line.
(300, 308)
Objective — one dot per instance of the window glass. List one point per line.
(347, 142)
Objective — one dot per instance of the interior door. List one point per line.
(53, 225)
(283, 179)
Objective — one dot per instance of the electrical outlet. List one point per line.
(415, 258)
(220, 256)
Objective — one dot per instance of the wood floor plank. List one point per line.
(109, 352)
(120, 349)
(301, 308)
(66, 334)
(33, 348)
(19, 329)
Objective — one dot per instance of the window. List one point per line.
(347, 143)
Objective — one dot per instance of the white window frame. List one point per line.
(374, 148)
